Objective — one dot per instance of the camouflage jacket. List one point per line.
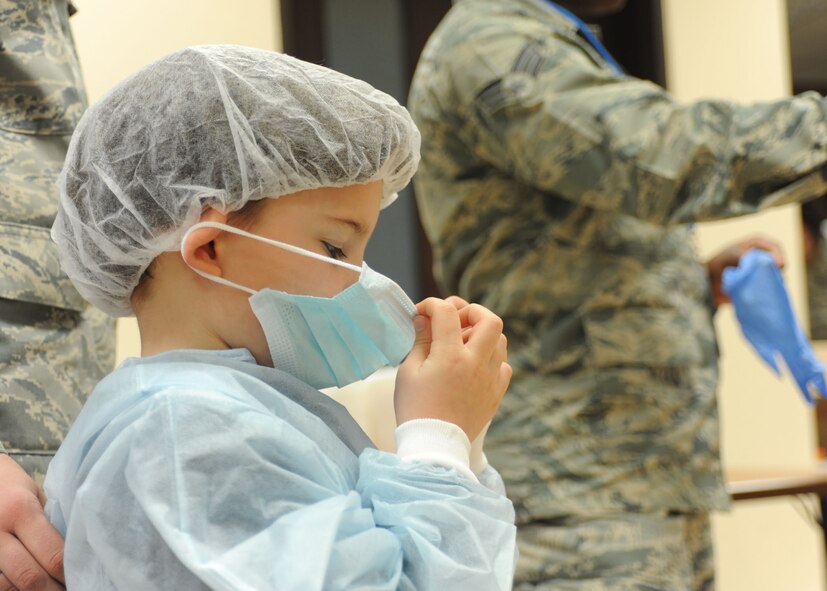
(53, 349)
(553, 190)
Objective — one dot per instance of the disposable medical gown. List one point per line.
(202, 470)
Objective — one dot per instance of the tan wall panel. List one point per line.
(739, 49)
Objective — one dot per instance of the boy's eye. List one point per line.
(334, 251)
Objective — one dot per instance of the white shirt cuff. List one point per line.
(435, 442)
(477, 460)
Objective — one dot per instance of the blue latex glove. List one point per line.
(767, 320)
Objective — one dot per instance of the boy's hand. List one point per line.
(31, 550)
(457, 370)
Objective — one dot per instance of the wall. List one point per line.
(739, 50)
(116, 37)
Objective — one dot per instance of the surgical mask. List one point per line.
(330, 341)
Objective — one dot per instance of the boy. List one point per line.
(225, 196)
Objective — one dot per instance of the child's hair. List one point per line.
(213, 126)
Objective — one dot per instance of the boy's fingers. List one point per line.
(445, 323)
(422, 342)
(487, 329)
(505, 377)
(457, 301)
(500, 354)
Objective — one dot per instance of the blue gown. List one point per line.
(203, 470)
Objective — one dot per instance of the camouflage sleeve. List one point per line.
(546, 112)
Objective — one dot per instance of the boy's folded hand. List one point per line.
(31, 550)
(457, 370)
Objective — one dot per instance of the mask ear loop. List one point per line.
(276, 243)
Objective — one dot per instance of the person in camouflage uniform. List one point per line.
(555, 190)
(53, 347)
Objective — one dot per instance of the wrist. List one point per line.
(435, 442)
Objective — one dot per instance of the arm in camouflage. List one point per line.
(535, 102)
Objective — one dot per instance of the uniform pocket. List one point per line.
(30, 270)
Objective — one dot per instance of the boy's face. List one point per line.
(334, 222)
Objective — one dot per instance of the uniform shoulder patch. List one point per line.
(529, 60)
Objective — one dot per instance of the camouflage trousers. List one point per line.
(621, 552)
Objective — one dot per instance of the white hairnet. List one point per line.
(213, 126)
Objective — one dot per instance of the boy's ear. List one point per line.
(199, 249)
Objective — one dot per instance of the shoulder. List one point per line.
(476, 19)
(139, 400)
(197, 426)
(194, 396)
(154, 379)
(471, 27)
(481, 42)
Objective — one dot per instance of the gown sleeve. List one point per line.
(216, 492)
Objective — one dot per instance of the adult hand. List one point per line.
(31, 550)
(729, 257)
(457, 370)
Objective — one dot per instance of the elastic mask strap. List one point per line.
(276, 243)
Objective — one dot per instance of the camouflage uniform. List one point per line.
(553, 189)
(53, 348)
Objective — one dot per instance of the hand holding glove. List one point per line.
(767, 320)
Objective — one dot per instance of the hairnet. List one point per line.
(213, 126)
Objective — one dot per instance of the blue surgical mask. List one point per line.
(330, 341)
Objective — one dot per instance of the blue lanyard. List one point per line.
(584, 30)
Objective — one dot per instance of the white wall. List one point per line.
(739, 49)
(117, 37)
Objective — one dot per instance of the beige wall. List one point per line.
(738, 49)
(117, 37)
